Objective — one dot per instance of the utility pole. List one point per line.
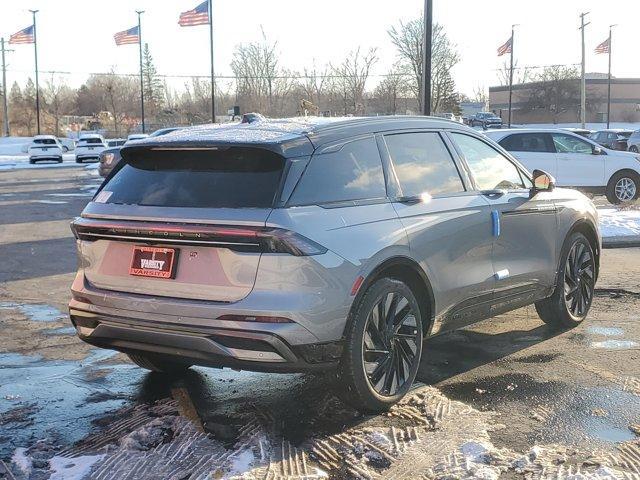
(213, 82)
(35, 49)
(427, 40)
(609, 79)
(511, 77)
(140, 12)
(583, 82)
(5, 108)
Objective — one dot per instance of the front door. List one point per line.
(524, 228)
(578, 164)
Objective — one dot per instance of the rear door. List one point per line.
(524, 244)
(578, 164)
(448, 225)
(534, 150)
(196, 208)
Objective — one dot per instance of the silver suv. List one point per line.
(298, 245)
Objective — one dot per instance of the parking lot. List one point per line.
(508, 398)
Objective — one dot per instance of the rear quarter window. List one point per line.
(229, 178)
(352, 173)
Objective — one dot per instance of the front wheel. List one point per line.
(623, 187)
(383, 347)
(575, 284)
(633, 149)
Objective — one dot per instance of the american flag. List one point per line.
(505, 48)
(197, 16)
(603, 47)
(23, 36)
(127, 36)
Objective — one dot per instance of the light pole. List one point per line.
(5, 108)
(583, 87)
(140, 12)
(427, 34)
(35, 49)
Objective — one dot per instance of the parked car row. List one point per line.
(575, 161)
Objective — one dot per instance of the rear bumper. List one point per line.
(49, 156)
(209, 346)
(87, 156)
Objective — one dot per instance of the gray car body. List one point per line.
(447, 247)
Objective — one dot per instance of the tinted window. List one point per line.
(491, 170)
(570, 144)
(44, 141)
(423, 164)
(352, 173)
(237, 177)
(90, 140)
(526, 142)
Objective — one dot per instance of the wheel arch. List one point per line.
(410, 272)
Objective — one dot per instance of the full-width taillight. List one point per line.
(262, 239)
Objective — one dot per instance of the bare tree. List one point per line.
(314, 84)
(520, 75)
(350, 79)
(393, 88)
(480, 95)
(407, 38)
(59, 101)
(555, 89)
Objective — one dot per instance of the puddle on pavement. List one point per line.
(59, 399)
(614, 344)
(35, 312)
(607, 331)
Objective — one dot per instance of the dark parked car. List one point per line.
(615, 139)
(317, 244)
(485, 120)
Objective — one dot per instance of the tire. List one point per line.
(368, 378)
(158, 363)
(623, 186)
(60, 160)
(32, 162)
(633, 149)
(78, 160)
(576, 274)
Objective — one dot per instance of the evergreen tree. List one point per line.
(153, 87)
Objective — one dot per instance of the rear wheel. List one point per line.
(633, 149)
(623, 187)
(31, 161)
(78, 160)
(571, 300)
(158, 363)
(383, 347)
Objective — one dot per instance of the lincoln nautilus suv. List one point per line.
(323, 244)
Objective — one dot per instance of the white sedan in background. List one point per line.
(574, 161)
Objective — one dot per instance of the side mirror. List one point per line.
(542, 182)
(597, 150)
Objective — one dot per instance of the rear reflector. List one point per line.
(255, 318)
(356, 285)
(259, 239)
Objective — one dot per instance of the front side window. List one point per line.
(490, 169)
(352, 173)
(423, 164)
(570, 144)
(526, 142)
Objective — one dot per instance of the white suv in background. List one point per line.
(89, 147)
(45, 147)
(574, 161)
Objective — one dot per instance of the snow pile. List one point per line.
(72, 468)
(619, 223)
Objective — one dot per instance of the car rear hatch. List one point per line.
(185, 223)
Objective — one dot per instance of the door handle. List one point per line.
(493, 193)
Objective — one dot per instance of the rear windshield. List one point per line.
(230, 178)
(90, 140)
(44, 141)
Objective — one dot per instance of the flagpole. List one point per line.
(583, 87)
(609, 81)
(5, 108)
(213, 83)
(35, 49)
(140, 12)
(511, 78)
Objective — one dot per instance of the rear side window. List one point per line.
(527, 142)
(229, 178)
(491, 170)
(423, 164)
(352, 173)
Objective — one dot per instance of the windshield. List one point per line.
(230, 178)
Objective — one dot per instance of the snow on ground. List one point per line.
(619, 222)
(72, 468)
(14, 145)
(10, 162)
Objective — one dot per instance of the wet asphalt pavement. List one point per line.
(507, 398)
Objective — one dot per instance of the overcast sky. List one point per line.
(77, 35)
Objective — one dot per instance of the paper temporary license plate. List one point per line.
(155, 262)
